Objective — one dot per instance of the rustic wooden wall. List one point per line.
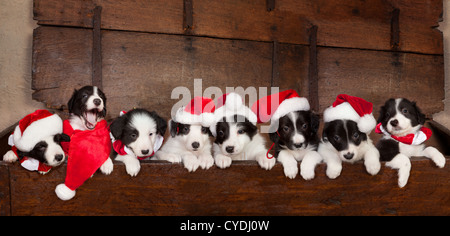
(374, 49)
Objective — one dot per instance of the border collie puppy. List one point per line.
(87, 106)
(188, 143)
(189, 135)
(238, 139)
(345, 136)
(136, 135)
(296, 140)
(401, 123)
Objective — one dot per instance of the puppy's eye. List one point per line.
(305, 126)
(185, 129)
(133, 136)
(241, 131)
(204, 130)
(355, 135)
(404, 110)
(151, 134)
(85, 95)
(286, 128)
(220, 133)
(336, 138)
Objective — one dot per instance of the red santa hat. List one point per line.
(228, 105)
(34, 127)
(200, 110)
(87, 151)
(275, 106)
(348, 107)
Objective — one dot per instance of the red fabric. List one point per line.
(407, 139)
(119, 147)
(200, 105)
(361, 106)
(87, 151)
(42, 167)
(265, 107)
(30, 118)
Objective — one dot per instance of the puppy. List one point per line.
(343, 141)
(295, 140)
(47, 151)
(137, 135)
(188, 143)
(238, 139)
(87, 106)
(401, 123)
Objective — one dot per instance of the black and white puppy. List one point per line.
(296, 140)
(47, 151)
(137, 135)
(188, 143)
(87, 106)
(401, 123)
(238, 139)
(343, 141)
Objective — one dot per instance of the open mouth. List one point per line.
(90, 118)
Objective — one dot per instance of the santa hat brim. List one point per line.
(290, 105)
(36, 132)
(345, 111)
(204, 119)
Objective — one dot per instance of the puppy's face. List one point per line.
(296, 130)
(89, 104)
(138, 130)
(194, 137)
(345, 138)
(48, 151)
(401, 117)
(232, 137)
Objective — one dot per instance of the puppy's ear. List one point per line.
(161, 124)
(61, 138)
(324, 131)
(173, 126)
(72, 101)
(274, 137)
(315, 122)
(117, 125)
(381, 114)
(420, 116)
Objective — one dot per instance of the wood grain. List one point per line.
(5, 200)
(243, 189)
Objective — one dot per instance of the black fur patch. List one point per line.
(77, 103)
(342, 132)
(243, 124)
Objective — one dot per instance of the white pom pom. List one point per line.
(233, 101)
(64, 193)
(367, 123)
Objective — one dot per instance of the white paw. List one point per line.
(290, 171)
(206, 161)
(173, 158)
(133, 167)
(10, 157)
(191, 162)
(307, 172)
(107, 167)
(222, 161)
(439, 160)
(333, 171)
(373, 168)
(266, 163)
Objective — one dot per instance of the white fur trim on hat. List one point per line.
(345, 111)
(289, 105)
(184, 117)
(36, 132)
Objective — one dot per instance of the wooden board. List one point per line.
(343, 23)
(243, 189)
(5, 200)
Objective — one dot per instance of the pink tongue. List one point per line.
(91, 118)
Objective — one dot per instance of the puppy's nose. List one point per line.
(298, 145)
(59, 157)
(348, 156)
(195, 144)
(97, 102)
(145, 151)
(230, 149)
(394, 123)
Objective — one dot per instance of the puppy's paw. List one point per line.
(373, 167)
(10, 157)
(267, 163)
(191, 162)
(133, 167)
(439, 160)
(107, 167)
(206, 161)
(222, 161)
(291, 171)
(333, 171)
(173, 158)
(307, 172)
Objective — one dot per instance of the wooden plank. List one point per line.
(342, 23)
(5, 200)
(243, 189)
(378, 76)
